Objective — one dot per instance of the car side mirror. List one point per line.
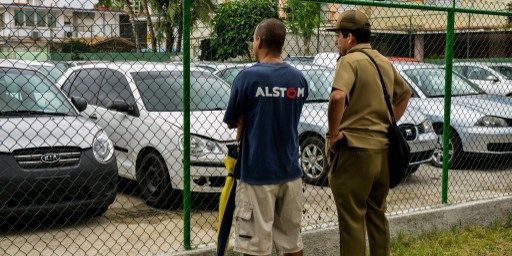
(79, 102)
(492, 78)
(121, 106)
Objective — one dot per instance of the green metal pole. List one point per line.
(186, 124)
(450, 37)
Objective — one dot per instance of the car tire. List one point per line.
(413, 169)
(154, 182)
(313, 160)
(456, 153)
(96, 212)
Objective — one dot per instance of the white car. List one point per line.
(326, 59)
(480, 123)
(416, 127)
(140, 106)
(493, 78)
(50, 69)
(52, 160)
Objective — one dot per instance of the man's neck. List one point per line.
(270, 58)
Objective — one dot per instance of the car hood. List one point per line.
(204, 123)
(35, 132)
(466, 109)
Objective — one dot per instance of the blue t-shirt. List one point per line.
(270, 99)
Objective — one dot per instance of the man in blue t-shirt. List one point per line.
(267, 100)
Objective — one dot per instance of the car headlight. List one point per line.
(201, 146)
(102, 147)
(492, 121)
(426, 127)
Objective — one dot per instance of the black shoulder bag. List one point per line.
(399, 150)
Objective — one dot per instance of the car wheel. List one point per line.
(454, 152)
(96, 212)
(313, 160)
(413, 169)
(154, 182)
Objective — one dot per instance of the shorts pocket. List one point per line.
(244, 220)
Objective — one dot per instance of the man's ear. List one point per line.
(351, 39)
(259, 42)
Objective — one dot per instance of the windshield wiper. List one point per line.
(317, 101)
(31, 112)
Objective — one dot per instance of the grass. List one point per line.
(492, 241)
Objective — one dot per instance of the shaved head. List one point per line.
(272, 33)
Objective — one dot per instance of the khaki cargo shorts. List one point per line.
(267, 214)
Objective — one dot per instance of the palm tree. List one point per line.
(172, 12)
(150, 25)
(132, 15)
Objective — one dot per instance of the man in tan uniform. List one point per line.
(357, 137)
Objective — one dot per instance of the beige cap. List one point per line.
(351, 19)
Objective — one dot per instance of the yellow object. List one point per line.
(229, 162)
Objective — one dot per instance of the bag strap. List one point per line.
(387, 98)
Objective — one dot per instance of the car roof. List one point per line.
(297, 65)
(472, 64)
(137, 66)
(400, 65)
(220, 65)
(19, 64)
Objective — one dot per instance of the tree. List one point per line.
(234, 23)
(302, 18)
(150, 25)
(171, 18)
(131, 13)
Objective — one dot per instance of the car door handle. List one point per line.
(93, 117)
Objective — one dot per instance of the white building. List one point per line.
(33, 25)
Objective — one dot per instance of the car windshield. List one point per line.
(319, 84)
(505, 71)
(51, 72)
(27, 92)
(162, 91)
(431, 82)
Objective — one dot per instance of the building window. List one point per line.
(29, 18)
(510, 17)
(41, 18)
(52, 19)
(19, 18)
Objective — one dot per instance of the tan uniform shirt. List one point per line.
(366, 118)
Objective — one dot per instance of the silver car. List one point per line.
(493, 78)
(480, 123)
(51, 158)
(313, 124)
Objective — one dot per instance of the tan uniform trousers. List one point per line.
(359, 180)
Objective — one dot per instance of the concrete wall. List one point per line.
(482, 213)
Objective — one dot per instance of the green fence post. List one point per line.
(186, 124)
(450, 36)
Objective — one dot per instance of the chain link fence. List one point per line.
(92, 113)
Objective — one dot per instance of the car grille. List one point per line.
(409, 131)
(48, 192)
(499, 147)
(48, 157)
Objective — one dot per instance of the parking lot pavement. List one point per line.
(131, 228)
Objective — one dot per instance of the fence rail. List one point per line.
(120, 152)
